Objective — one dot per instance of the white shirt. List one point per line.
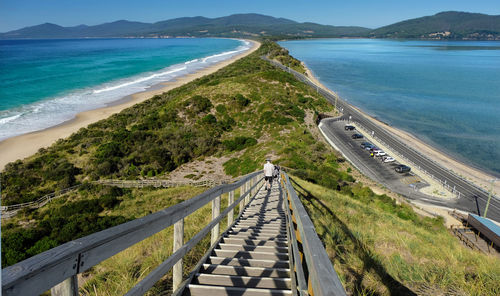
(268, 169)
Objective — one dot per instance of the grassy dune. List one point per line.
(381, 248)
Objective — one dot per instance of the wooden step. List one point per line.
(270, 249)
(203, 290)
(269, 216)
(242, 281)
(249, 262)
(262, 222)
(272, 232)
(258, 237)
(270, 211)
(262, 217)
(261, 226)
(245, 270)
(258, 228)
(251, 242)
(273, 224)
(249, 254)
(266, 206)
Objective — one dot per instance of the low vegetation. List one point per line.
(283, 56)
(244, 113)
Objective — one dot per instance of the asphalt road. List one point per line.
(472, 198)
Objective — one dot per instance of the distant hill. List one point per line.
(237, 25)
(444, 25)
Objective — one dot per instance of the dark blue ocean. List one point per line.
(46, 82)
(446, 93)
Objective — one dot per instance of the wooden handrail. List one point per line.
(11, 210)
(38, 274)
(321, 277)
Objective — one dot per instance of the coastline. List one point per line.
(22, 146)
(470, 173)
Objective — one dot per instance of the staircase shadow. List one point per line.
(370, 263)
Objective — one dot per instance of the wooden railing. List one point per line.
(159, 183)
(314, 272)
(57, 269)
(11, 210)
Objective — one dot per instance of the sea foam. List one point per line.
(50, 112)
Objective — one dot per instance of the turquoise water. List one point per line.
(46, 82)
(445, 93)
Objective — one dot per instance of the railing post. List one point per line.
(246, 190)
(230, 201)
(178, 242)
(68, 287)
(251, 188)
(242, 202)
(215, 214)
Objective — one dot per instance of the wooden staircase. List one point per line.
(271, 249)
(251, 258)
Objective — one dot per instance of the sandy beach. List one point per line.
(472, 174)
(22, 146)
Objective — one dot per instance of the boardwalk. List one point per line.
(252, 257)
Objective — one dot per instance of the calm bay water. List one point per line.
(445, 93)
(46, 82)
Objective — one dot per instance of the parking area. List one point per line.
(377, 164)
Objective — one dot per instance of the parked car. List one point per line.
(388, 159)
(402, 169)
(349, 128)
(380, 153)
(357, 136)
(375, 149)
(371, 148)
(365, 144)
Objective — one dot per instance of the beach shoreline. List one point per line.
(472, 174)
(22, 146)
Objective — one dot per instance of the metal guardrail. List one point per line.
(57, 269)
(314, 271)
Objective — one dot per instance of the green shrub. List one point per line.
(198, 104)
(209, 119)
(241, 100)
(108, 202)
(239, 143)
(221, 108)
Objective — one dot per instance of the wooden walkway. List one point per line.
(271, 249)
(252, 257)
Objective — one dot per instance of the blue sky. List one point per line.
(15, 14)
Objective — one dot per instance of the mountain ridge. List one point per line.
(446, 25)
(236, 25)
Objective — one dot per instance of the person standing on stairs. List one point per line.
(268, 173)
